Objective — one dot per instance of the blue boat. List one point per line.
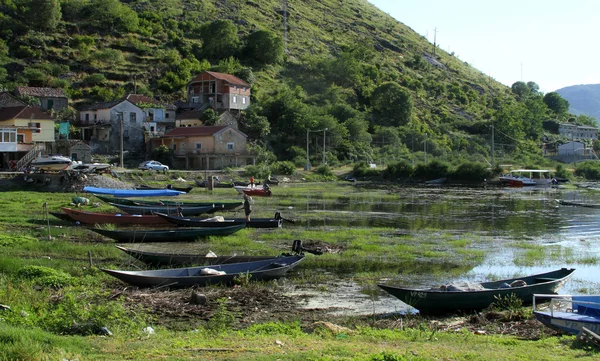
(133, 192)
(568, 314)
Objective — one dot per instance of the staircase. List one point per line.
(35, 152)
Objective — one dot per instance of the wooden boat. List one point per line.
(219, 206)
(51, 163)
(182, 259)
(243, 188)
(200, 276)
(275, 222)
(166, 235)
(133, 192)
(258, 192)
(442, 300)
(569, 314)
(112, 218)
(578, 204)
(168, 186)
(216, 184)
(184, 211)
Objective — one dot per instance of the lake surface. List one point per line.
(500, 217)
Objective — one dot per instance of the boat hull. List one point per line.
(133, 192)
(437, 301)
(200, 222)
(170, 209)
(113, 218)
(179, 259)
(167, 235)
(188, 277)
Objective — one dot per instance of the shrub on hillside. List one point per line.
(432, 170)
(361, 169)
(471, 171)
(45, 276)
(399, 170)
(324, 170)
(260, 171)
(563, 172)
(283, 168)
(588, 170)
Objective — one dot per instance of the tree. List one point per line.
(392, 104)
(265, 47)
(219, 39)
(255, 125)
(114, 15)
(534, 89)
(209, 117)
(556, 103)
(521, 90)
(43, 15)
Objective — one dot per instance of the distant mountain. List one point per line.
(584, 99)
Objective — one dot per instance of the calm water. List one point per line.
(499, 217)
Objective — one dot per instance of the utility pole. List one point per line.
(121, 141)
(493, 151)
(307, 167)
(324, 130)
(434, 40)
(425, 148)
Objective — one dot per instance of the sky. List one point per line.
(553, 43)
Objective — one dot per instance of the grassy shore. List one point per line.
(61, 306)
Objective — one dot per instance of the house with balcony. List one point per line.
(133, 118)
(206, 147)
(219, 91)
(578, 132)
(24, 130)
(50, 98)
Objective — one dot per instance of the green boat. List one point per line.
(166, 235)
(218, 206)
(450, 298)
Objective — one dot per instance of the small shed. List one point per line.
(572, 148)
(81, 152)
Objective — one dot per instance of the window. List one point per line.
(243, 100)
(167, 115)
(132, 117)
(13, 137)
(244, 88)
(235, 87)
(234, 99)
(230, 146)
(120, 116)
(95, 116)
(87, 117)
(198, 146)
(125, 134)
(50, 104)
(20, 138)
(152, 129)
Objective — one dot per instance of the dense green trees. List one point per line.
(556, 103)
(392, 104)
(43, 15)
(264, 47)
(219, 39)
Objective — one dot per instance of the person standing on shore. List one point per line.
(247, 207)
(251, 182)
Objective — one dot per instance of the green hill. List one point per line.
(381, 90)
(584, 99)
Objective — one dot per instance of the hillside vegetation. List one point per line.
(381, 91)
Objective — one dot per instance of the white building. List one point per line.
(574, 131)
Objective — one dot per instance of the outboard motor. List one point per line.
(277, 215)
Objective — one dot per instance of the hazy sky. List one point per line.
(553, 43)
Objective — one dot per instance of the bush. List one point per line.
(45, 276)
(399, 170)
(362, 169)
(432, 170)
(563, 172)
(471, 171)
(283, 168)
(324, 170)
(260, 171)
(588, 170)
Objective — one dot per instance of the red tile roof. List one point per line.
(194, 131)
(24, 112)
(40, 92)
(190, 114)
(231, 79)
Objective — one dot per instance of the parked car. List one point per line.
(153, 165)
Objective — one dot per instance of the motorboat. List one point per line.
(568, 313)
(51, 163)
(527, 178)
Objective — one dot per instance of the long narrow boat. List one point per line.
(133, 192)
(577, 204)
(201, 276)
(569, 314)
(275, 222)
(186, 259)
(442, 300)
(166, 235)
(222, 206)
(181, 189)
(113, 218)
(184, 211)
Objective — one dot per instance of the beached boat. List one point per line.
(51, 163)
(242, 188)
(206, 275)
(527, 178)
(169, 209)
(577, 204)
(166, 235)
(453, 297)
(568, 314)
(168, 186)
(113, 218)
(219, 206)
(186, 259)
(91, 167)
(133, 192)
(216, 184)
(258, 192)
(274, 222)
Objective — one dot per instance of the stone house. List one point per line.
(579, 132)
(219, 91)
(50, 98)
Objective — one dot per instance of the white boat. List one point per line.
(51, 162)
(569, 314)
(91, 167)
(527, 178)
(241, 189)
